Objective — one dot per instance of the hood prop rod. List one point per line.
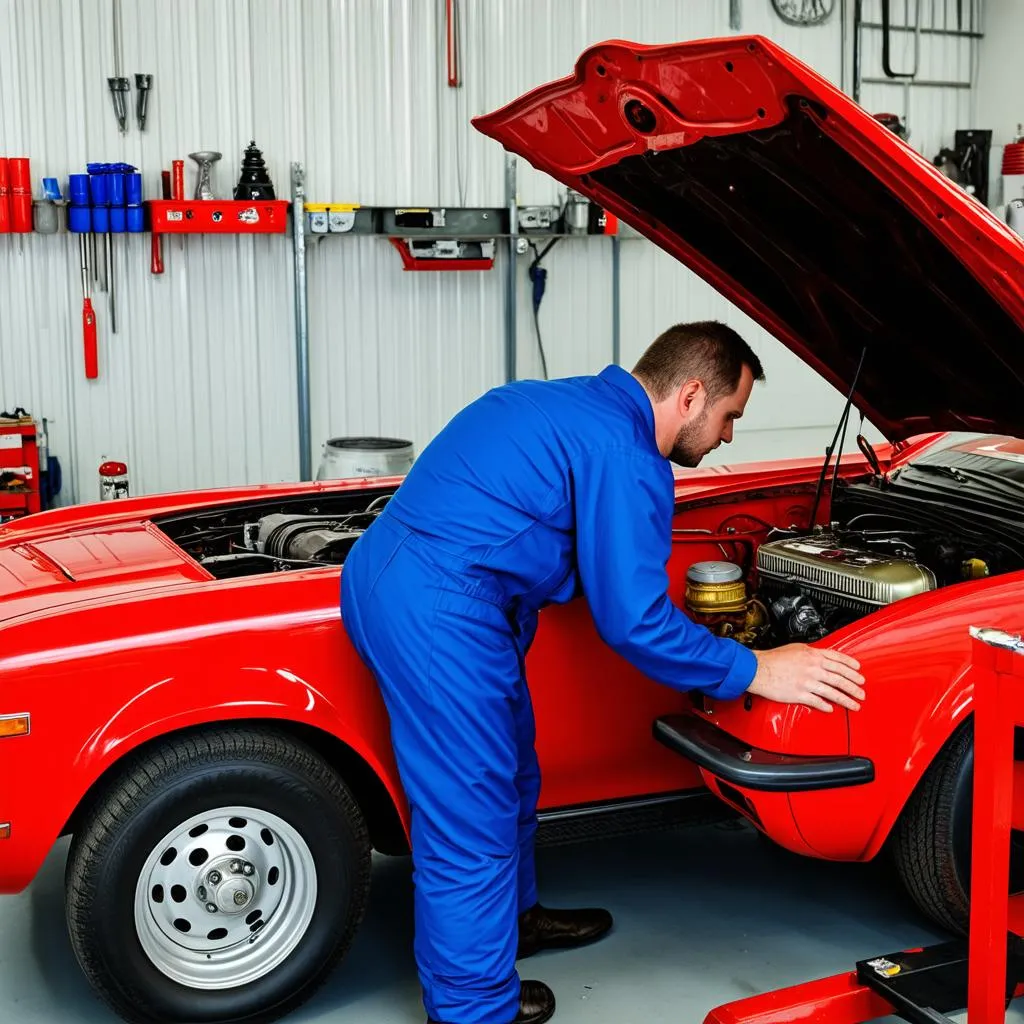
(840, 428)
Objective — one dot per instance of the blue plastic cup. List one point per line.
(101, 219)
(99, 189)
(78, 189)
(79, 219)
(115, 189)
(117, 218)
(136, 218)
(133, 189)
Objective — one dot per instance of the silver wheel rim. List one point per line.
(225, 897)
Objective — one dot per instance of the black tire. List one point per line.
(255, 767)
(931, 844)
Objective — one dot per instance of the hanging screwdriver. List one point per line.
(88, 315)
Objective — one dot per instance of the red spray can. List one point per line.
(5, 203)
(21, 193)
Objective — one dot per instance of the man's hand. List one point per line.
(798, 674)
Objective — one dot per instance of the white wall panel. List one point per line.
(575, 315)
(198, 385)
(1000, 92)
(393, 352)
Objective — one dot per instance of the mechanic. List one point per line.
(536, 492)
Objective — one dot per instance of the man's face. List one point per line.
(705, 426)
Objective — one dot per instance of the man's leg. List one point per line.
(448, 670)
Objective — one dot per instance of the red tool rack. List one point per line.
(983, 972)
(217, 216)
(19, 469)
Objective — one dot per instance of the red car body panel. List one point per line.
(145, 643)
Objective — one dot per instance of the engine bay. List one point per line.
(887, 539)
(275, 536)
(885, 542)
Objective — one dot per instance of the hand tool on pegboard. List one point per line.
(178, 192)
(156, 255)
(80, 223)
(143, 84)
(88, 316)
(100, 219)
(119, 85)
(126, 214)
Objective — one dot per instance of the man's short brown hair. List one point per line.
(707, 351)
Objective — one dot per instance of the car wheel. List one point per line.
(931, 844)
(221, 877)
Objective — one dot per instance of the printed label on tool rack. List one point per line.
(10, 440)
(250, 215)
(175, 215)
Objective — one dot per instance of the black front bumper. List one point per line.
(748, 767)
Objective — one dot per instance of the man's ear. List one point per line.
(691, 398)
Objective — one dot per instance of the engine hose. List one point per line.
(719, 539)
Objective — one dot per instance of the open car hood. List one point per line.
(803, 210)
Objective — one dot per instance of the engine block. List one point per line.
(821, 567)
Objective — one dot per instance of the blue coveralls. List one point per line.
(534, 493)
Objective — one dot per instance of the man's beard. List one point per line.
(688, 449)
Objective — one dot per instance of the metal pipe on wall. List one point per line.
(511, 201)
(301, 317)
(858, 19)
(842, 45)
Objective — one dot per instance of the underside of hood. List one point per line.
(803, 210)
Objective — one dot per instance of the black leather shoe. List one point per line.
(536, 1004)
(542, 928)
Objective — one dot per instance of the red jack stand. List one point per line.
(982, 973)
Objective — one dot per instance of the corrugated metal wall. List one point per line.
(197, 387)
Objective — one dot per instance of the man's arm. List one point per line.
(624, 504)
(624, 501)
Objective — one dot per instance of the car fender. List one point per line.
(270, 695)
(915, 656)
(93, 699)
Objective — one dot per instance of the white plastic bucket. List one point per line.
(345, 457)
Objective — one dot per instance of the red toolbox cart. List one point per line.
(983, 972)
(19, 468)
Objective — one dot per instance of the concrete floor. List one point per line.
(703, 916)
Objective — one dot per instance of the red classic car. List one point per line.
(176, 687)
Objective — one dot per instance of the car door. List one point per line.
(594, 712)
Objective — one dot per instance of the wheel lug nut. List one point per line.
(235, 866)
(202, 892)
(211, 907)
(213, 877)
(248, 869)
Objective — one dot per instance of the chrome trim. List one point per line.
(998, 638)
(23, 714)
(591, 810)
